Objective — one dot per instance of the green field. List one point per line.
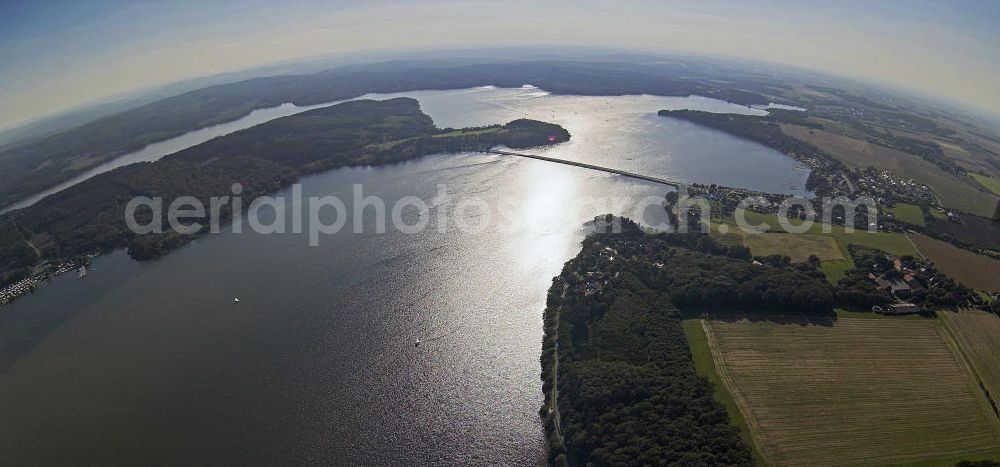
(892, 243)
(857, 392)
(833, 266)
(909, 213)
(836, 270)
(990, 183)
(796, 247)
(478, 131)
(847, 314)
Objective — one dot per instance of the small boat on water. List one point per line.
(82, 271)
(235, 301)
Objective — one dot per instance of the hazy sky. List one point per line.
(55, 55)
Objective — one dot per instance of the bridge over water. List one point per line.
(673, 183)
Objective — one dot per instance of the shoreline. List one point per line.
(48, 271)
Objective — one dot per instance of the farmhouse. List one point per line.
(900, 288)
(912, 282)
(880, 283)
(901, 309)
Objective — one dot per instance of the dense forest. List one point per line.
(89, 217)
(625, 391)
(696, 280)
(16, 256)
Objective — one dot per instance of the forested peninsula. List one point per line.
(89, 218)
(618, 376)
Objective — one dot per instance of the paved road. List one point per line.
(647, 178)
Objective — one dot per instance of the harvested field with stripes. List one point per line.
(858, 392)
(978, 335)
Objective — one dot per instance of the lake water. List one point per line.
(151, 362)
